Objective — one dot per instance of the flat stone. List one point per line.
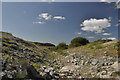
(69, 68)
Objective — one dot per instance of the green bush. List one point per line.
(62, 46)
(118, 45)
(78, 41)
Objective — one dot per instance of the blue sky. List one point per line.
(0, 16)
(59, 0)
(60, 22)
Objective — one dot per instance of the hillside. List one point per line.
(26, 59)
(18, 53)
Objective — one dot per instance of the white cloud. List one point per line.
(39, 22)
(45, 16)
(47, 0)
(104, 0)
(118, 4)
(79, 33)
(118, 25)
(106, 34)
(109, 18)
(59, 17)
(95, 25)
(90, 37)
(112, 38)
(108, 1)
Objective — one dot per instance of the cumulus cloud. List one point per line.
(39, 22)
(118, 4)
(104, 0)
(45, 16)
(109, 18)
(108, 1)
(59, 17)
(95, 25)
(47, 0)
(79, 33)
(112, 38)
(106, 34)
(117, 25)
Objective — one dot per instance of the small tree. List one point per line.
(62, 46)
(78, 41)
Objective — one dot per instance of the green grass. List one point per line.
(20, 75)
(115, 74)
(95, 48)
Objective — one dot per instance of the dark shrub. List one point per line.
(62, 46)
(78, 41)
(103, 40)
(44, 44)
